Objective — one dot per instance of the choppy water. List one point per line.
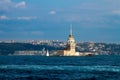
(59, 68)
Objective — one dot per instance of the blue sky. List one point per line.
(93, 20)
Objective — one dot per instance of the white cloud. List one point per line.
(8, 5)
(116, 12)
(26, 18)
(21, 4)
(52, 12)
(6, 0)
(3, 17)
(5, 4)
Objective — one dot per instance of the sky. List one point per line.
(92, 20)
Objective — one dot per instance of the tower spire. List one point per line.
(70, 29)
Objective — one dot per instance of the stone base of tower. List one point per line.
(69, 53)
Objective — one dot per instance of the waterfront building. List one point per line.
(71, 45)
(70, 49)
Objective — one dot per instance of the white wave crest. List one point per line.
(61, 67)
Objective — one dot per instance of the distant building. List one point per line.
(71, 45)
(70, 48)
(30, 52)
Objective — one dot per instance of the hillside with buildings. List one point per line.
(38, 47)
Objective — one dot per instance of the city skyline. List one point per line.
(92, 20)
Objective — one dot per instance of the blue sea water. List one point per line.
(59, 68)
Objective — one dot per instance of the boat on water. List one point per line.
(47, 54)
